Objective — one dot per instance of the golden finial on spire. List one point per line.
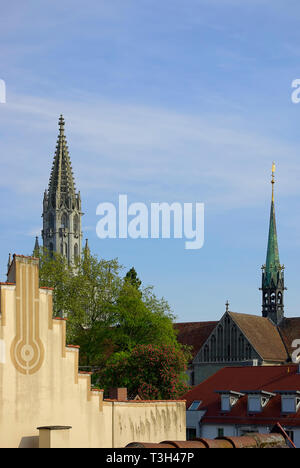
(273, 179)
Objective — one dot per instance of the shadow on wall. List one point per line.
(29, 442)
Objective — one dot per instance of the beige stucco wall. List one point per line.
(40, 384)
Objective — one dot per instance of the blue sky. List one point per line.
(164, 101)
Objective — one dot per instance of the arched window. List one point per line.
(64, 221)
(248, 352)
(206, 354)
(51, 249)
(241, 348)
(66, 250)
(76, 224)
(266, 298)
(279, 298)
(227, 347)
(51, 221)
(76, 251)
(213, 348)
(273, 298)
(220, 343)
(234, 343)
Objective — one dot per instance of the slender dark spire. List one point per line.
(87, 250)
(36, 249)
(9, 262)
(272, 261)
(272, 272)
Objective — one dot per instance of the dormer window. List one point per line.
(257, 400)
(195, 405)
(228, 399)
(226, 403)
(290, 402)
(254, 404)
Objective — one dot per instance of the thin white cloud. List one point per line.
(147, 150)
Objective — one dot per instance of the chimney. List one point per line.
(119, 394)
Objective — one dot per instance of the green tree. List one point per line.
(95, 288)
(56, 273)
(142, 318)
(107, 314)
(132, 278)
(150, 371)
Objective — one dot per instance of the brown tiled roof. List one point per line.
(289, 329)
(194, 334)
(263, 336)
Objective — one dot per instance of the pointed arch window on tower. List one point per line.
(76, 224)
(51, 221)
(51, 249)
(64, 221)
(273, 298)
(76, 252)
(266, 298)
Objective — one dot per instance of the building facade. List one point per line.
(44, 399)
(239, 400)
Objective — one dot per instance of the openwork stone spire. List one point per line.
(62, 205)
(62, 185)
(272, 272)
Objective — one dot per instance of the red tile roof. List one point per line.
(239, 379)
(194, 334)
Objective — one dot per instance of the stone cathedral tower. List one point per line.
(62, 213)
(273, 272)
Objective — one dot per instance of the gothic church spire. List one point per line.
(273, 273)
(62, 205)
(61, 184)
